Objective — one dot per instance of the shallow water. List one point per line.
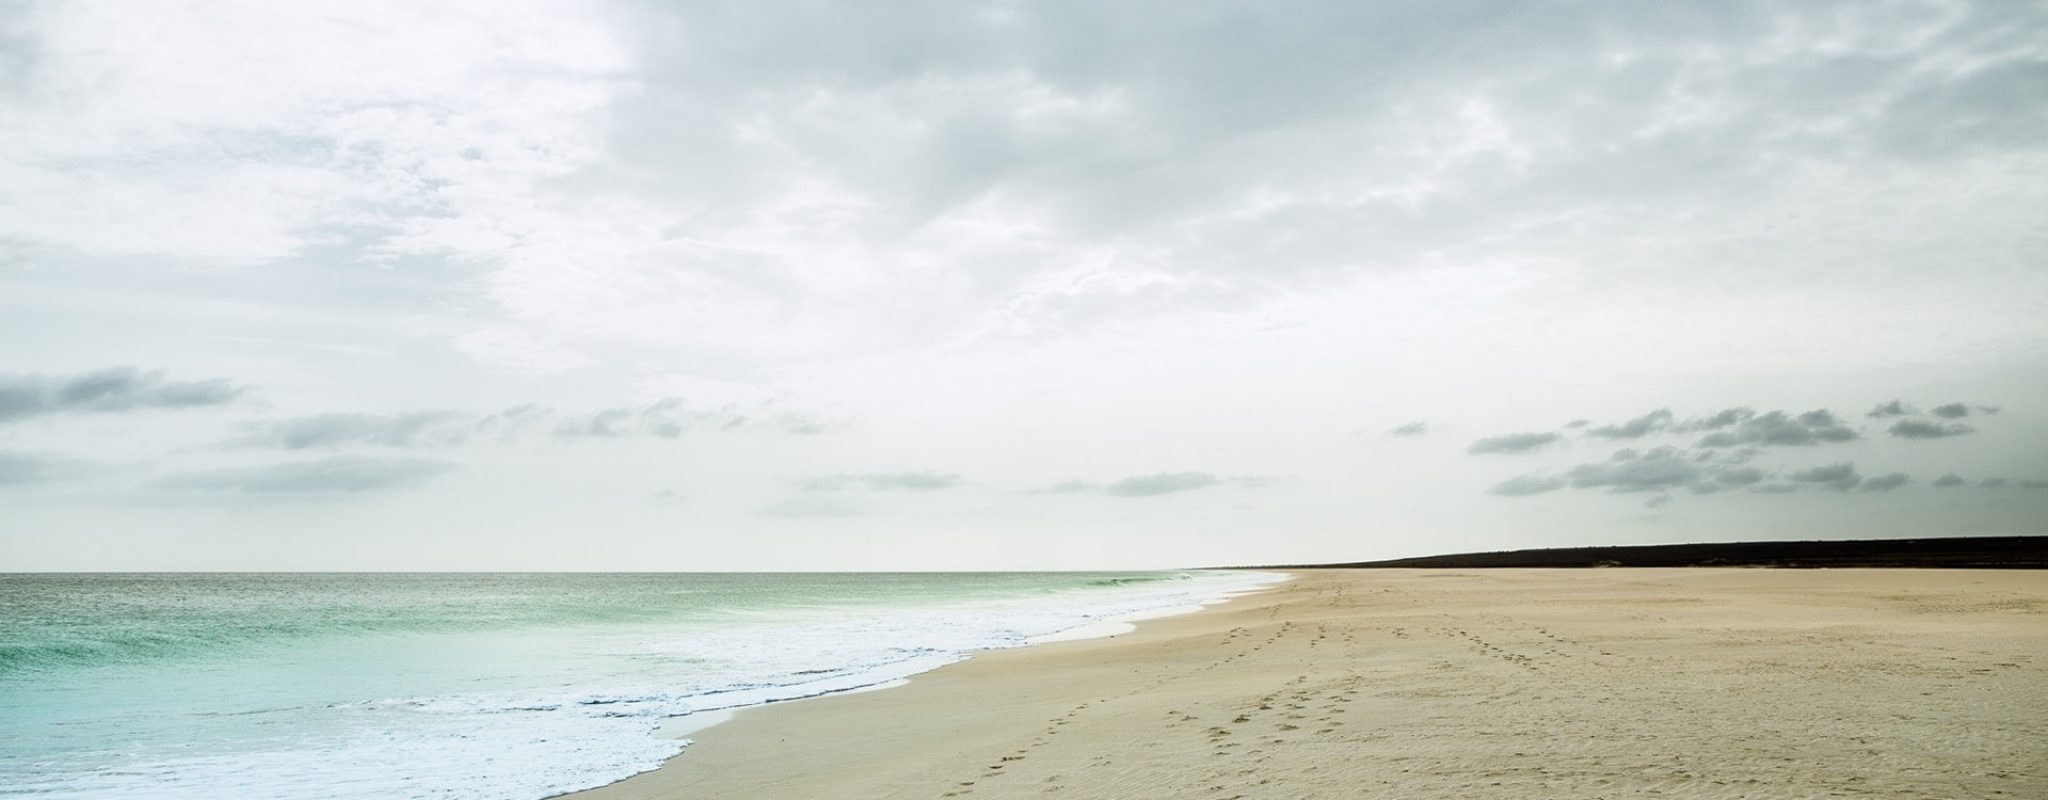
(457, 686)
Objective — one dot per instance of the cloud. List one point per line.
(1666, 469)
(1738, 476)
(328, 476)
(1636, 428)
(1160, 483)
(1949, 480)
(1839, 477)
(882, 481)
(1658, 502)
(1776, 428)
(672, 417)
(1513, 443)
(1525, 485)
(414, 429)
(1658, 469)
(1634, 471)
(1928, 429)
(1950, 411)
(108, 390)
(1960, 410)
(1720, 419)
(18, 468)
(1944, 412)
(1416, 428)
(1733, 427)
(667, 418)
(1101, 160)
(1156, 484)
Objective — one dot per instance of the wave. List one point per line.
(495, 711)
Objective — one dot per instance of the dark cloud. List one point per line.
(1666, 469)
(1928, 429)
(1525, 485)
(1719, 419)
(1513, 443)
(1839, 477)
(1636, 428)
(1736, 427)
(415, 429)
(108, 390)
(2001, 483)
(1160, 483)
(337, 475)
(1960, 410)
(1663, 468)
(1775, 429)
(1417, 428)
(1738, 476)
(881, 482)
(1891, 409)
(1949, 480)
(1634, 471)
(1658, 502)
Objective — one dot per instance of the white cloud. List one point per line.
(243, 132)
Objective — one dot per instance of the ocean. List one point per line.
(473, 686)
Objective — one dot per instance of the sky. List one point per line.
(755, 285)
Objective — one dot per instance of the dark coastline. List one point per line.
(1967, 552)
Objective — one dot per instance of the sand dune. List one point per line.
(1704, 683)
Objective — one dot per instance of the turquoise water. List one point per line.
(509, 686)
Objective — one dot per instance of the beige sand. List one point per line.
(1429, 684)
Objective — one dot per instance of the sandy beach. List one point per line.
(1594, 683)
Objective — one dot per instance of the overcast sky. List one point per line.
(749, 285)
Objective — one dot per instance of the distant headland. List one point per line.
(1964, 552)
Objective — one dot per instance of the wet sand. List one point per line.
(1601, 683)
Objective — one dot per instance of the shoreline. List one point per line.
(1432, 683)
(685, 728)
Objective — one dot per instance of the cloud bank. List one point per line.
(1513, 443)
(339, 475)
(116, 389)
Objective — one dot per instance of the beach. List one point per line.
(1753, 683)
